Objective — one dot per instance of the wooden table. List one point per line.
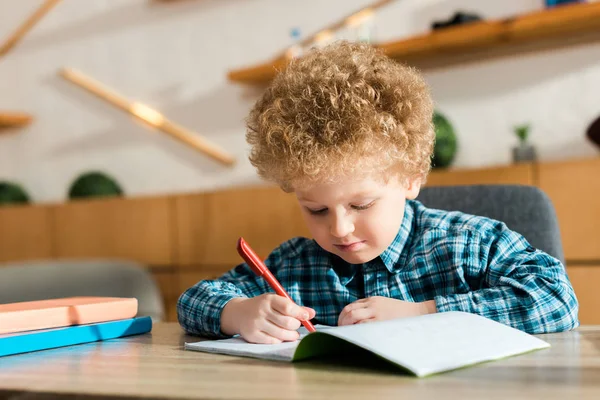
(155, 365)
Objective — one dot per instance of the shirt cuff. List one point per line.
(457, 302)
(211, 314)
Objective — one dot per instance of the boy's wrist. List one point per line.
(229, 317)
(428, 307)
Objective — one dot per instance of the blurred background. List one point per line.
(516, 86)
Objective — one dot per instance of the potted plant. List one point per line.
(524, 152)
(12, 193)
(94, 184)
(445, 142)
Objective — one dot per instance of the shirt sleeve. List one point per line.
(199, 307)
(516, 285)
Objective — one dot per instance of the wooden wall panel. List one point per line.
(166, 278)
(209, 226)
(191, 228)
(574, 188)
(196, 234)
(188, 278)
(171, 312)
(25, 233)
(520, 174)
(139, 229)
(585, 280)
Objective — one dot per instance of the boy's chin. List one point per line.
(359, 257)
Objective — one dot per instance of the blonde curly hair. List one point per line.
(344, 109)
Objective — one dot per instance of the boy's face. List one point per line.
(355, 219)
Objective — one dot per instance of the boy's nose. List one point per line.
(341, 227)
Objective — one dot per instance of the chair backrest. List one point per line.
(50, 279)
(524, 209)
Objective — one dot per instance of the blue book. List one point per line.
(24, 342)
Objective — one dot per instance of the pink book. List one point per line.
(45, 314)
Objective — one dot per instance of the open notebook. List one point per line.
(422, 345)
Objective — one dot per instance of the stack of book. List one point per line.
(46, 324)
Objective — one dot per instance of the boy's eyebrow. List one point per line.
(357, 195)
(300, 198)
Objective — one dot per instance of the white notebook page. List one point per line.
(425, 344)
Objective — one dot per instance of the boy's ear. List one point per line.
(413, 187)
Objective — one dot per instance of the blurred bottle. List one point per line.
(295, 50)
(365, 31)
(362, 25)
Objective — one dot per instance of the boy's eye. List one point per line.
(363, 206)
(320, 211)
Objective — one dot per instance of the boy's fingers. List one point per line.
(364, 321)
(283, 321)
(354, 306)
(262, 338)
(311, 312)
(283, 335)
(353, 316)
(288, 307)
(268, 339)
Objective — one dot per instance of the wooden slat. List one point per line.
(148, 115)
(14, 119)
(542, 30)
(264, 72)
(26, 26)
(138, 229)
(209, 225)
(340, 23)
(25, 233)
(260, 73)
(520, 174)
(574, 188)
(585, 281)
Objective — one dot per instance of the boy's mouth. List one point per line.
(350, 246)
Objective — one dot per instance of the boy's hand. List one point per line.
(379, 308)
(268, 318)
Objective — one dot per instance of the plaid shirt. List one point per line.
(463, 262)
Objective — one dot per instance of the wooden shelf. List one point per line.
(14, 119)
(552, 28)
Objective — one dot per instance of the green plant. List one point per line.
(94, 184)
(12, 193)
(522, 132)
(445, 142)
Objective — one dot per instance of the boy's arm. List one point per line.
(519, 286)
(199, 307)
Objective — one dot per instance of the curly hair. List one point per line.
(344, 109)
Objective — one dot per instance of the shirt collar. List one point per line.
(391, 255)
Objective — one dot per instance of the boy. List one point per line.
(350, 133)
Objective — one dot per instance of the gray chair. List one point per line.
(51, 279)
(524, 209)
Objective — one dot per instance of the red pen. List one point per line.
(261, 269)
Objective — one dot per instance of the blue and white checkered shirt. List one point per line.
(463, 262)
